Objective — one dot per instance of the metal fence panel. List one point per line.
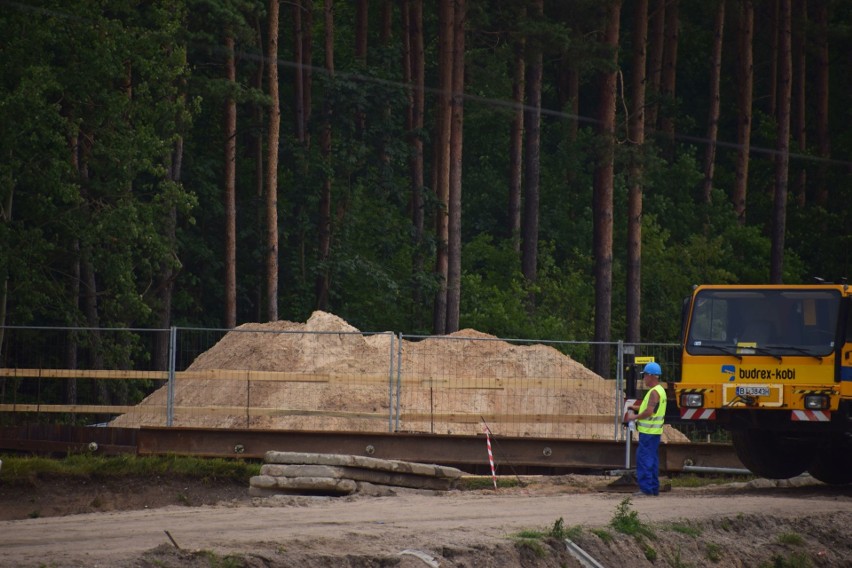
(77, 375)
(278, 377)
(257, 377)
(459, 384)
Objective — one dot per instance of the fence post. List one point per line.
(619, 388)
(170, 390)
(398, 379)
(390, 385)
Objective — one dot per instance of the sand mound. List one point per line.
(326, 375)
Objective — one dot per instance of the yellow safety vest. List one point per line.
(653, 424)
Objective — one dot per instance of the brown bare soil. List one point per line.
(173, 522)
(178, 523)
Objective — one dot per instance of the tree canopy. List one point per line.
(113, 151)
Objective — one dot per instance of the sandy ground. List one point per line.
(167, 523)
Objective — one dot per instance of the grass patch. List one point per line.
(713, 552)
(648, 551)
(626, 521)
(791, 539)
(675, 560)
(692, 480)
(19, 470)
(603, 534)
(477, 482)
(798, 560)
(533, 545)
(686, 529)
(217, 561)
(557, 530)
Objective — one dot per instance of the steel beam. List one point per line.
(468, 453)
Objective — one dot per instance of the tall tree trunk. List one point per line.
(272, 168)
(516, 138)
(362, 11)
(823, 141)
(744, 105)
(799, 27)
(455, 194)
(415, 63)
(782, 158)
(603, 196)
(774, 31)
(324, 222)
(656, 44)
(532, 156)
(634, 196)
(386, 32)
(299, 74)
(306, 65)
(669, 74)
(713, 117)
(230, 189)
(442, 159)
(259, 110)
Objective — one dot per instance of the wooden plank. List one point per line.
(508, 418)
(70, 408)
(120, 374)
(246, 375)
(416, 381)
(254, 411)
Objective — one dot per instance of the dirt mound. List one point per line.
(325, 374)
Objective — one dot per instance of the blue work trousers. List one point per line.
(648, 464)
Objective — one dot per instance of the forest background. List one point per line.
(530, 169)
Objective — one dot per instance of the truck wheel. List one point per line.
(833, 464)
(772, 455)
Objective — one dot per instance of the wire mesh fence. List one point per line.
(78, 375)
(286, 376)
(458, 384)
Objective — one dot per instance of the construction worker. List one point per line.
(649, 419)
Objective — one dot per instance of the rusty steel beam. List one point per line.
(468, 453)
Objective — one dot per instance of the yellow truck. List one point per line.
(773, 365)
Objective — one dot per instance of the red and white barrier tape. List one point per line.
(490, 456)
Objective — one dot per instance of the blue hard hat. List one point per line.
(652, 369)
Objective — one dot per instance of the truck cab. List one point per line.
(772, 364)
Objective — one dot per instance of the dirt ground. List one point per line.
(167, 522)
(174, 522)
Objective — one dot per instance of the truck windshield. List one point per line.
(754, 321)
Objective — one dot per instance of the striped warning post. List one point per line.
(490, 456)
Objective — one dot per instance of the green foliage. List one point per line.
(713, 552)
(674, 559)
(475, 483)
(603, 534)
(791, 539)
(533, 544)
(797, 560)
(648, 550)
(531, 537)
(216, 560)
(95, 100)
(686, 529)
(627, 521)
(692, 480)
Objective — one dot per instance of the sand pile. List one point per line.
(325, 374)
